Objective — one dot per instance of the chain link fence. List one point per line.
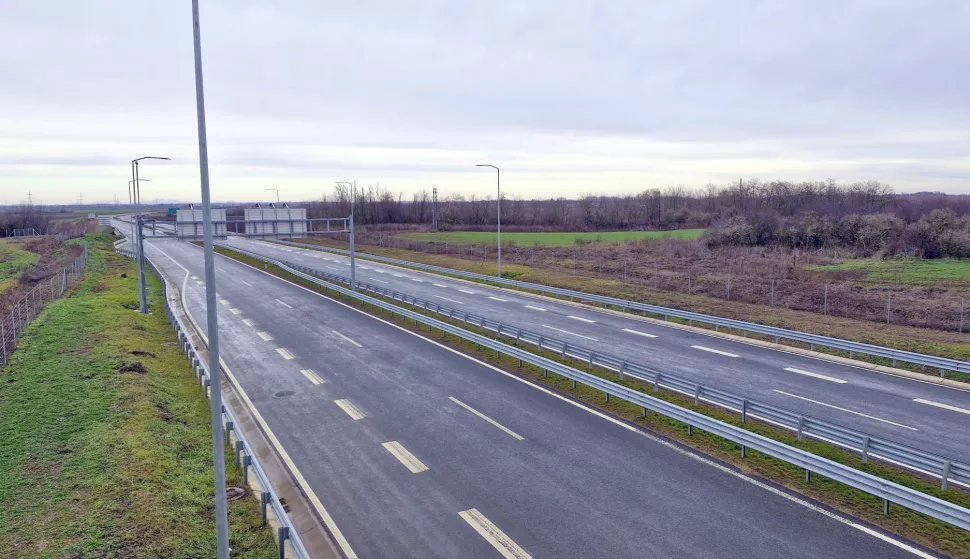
(26, 309)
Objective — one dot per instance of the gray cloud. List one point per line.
(622, 95)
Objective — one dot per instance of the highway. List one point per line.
(920, 414)
(418, 451)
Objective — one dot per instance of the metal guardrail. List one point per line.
(804, 426)
(246, 458)
(889, 491)
(941, 363)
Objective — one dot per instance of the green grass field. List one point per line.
(13, 261)
(106, 443)
(908, 271)
(552, 239)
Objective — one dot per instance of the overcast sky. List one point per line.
(567, 96)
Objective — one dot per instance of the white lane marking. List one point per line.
(246, 282)
(380, 271)
(200, 282)
(409, 460)
(814, 375)
(499, 299)
(439, 285)
(352, 410)
(939, 405)
(312, 376)
(579, 318)
(417, 280)
(222, 270)
(847, 410)
(377, 280)
(493, 535)
(235, 311)
(535, 308)
(223, 302)
(348, 339)
(264, 336)
(284, 304)
(195, 277)
(285, 353)
(717, 351)
(248, 322)
(467, 291)
(314, 499)
(398, 275)
(638, 333)
(505, 429)
(570, 333)
(452, 300)
(345, 545)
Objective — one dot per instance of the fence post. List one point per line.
(963, 306)
(825, 299)
(3, 345)
(773, 294)
(729, 288)
(889, 306)
(689, 284)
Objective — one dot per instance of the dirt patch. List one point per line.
(135, 367)
(142, 353)
(235, 493)
(99, 288)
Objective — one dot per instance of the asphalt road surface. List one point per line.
(418, 451)
(895, 408)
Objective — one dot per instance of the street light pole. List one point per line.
(215, 386)
(134, 175)
(277, 194)
(353, 266)
(130, 189)
(498, 202)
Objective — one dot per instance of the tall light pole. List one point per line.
(353, 266)
(498, 202)
(277, 194)
(134, 174)
(130, 191)
(215, 401)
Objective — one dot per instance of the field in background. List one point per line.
(13, 261)
(551, 239)
(911, 271)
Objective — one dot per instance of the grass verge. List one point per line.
(914, 526)
(921, 340)
(552, 238)
(106, 441)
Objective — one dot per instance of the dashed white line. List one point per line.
(348, 339)
(717, 351)
(312, 376)
(223, 302)
(452, 300)
(235, 311)
(467, 291)
(814, 375)
(398, 275)
(352, 410)
(377, 280)
(264, 336)
(285, 353)
(570, 333)
(493, 535)
(579, 318)
(195, 277)
(535, 308)
(939, 405)
(505, 429)
(248, 322)
(639, 333)
(284, 304)
(417, 280)
(246, 283)
(439, 285)
(409, 460)
(499, 299)
(847, 410)
(222, 270)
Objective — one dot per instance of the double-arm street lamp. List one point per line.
(134, 175)
(498, 202)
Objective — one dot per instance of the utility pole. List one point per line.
(434, 209)
(140, 253)
(215, 403)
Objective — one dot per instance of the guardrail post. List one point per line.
(690, 430)
(239, 449)
(540, 343)
(808, 475)
(247, 462)
(518, 334)
(656, 383)
(620, 374)
(283, 534)
(592, 354)
(744, 410)
(946, 475)
(228, 431)
(744, 451)
(885, 507)
(263, 502)
(865, 450)
(697, 394)
(801, 426)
